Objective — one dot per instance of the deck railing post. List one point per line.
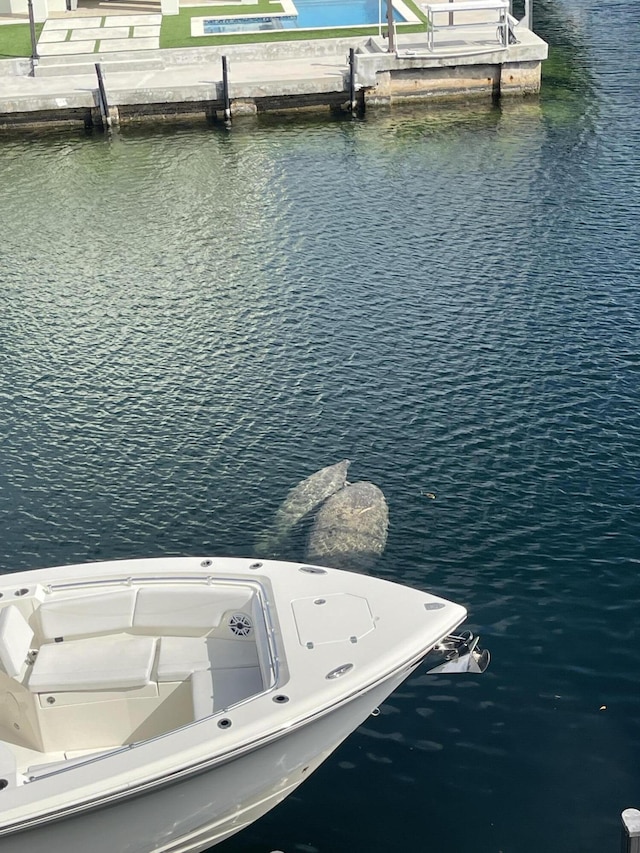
(391, 34)
(630, 831)
(34, 40)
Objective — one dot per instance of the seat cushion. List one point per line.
(186, 610)
(180, 656)
(15, 640)
(97, 613)
(95, 663)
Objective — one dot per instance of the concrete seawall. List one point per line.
(283, 76)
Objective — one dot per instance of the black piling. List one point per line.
(352, 80)
(102, 98)
(225, 89)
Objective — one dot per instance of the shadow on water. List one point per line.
(568, 84)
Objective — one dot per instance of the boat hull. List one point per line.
(199, 811)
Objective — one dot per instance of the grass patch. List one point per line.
(176, 29)
(15, 40)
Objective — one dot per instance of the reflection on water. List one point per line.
(195, 319)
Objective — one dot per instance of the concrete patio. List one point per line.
(71, 36)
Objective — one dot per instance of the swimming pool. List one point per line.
(311, 14)
(340, 13)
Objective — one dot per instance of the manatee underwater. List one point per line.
(350, 528)
(300, 502)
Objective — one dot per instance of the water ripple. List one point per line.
(194, 321)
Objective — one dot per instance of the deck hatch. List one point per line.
(332, 619)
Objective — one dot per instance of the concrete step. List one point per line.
(77, 65)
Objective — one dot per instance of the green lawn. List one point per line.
(15, 40)
(176, 29)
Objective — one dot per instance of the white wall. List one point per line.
(41, 8)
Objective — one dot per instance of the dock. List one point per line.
(134, 84)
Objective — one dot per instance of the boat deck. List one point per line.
(91, 669)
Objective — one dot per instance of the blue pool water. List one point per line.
(312, 14)
(217, 26)
(335, 13)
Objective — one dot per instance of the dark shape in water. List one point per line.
(350, 530)
(301, 501)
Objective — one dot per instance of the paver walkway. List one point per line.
(86, 35)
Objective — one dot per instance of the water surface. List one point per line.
(193, 320)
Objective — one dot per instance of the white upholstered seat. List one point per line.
(185, 610)
(97, 613)
(94, 663)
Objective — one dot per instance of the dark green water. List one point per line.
(194, 320)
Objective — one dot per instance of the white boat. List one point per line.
(164, 704)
